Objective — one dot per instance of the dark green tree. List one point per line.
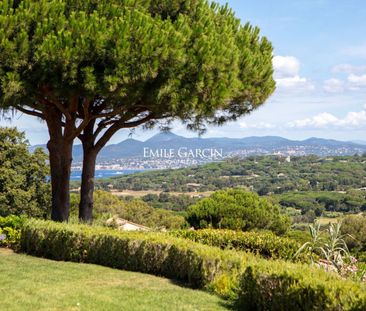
(89, 68)
(354, 227)
(237, 209)
(23, 177)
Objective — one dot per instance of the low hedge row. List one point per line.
(266, 244)
(154, 253)
(254, 283)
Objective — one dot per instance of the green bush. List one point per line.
(12, 221)
(9, 237)
(24, 189)
(265, 244)
(10, 230)
(300, 236)
(237, 209)
(354, 227)
(286, 286)
(254, 283)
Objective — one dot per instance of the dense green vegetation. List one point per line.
(352, 201)
(305, 187)
(107, 205)
(249, 281)
(308, 205)
(263, 174)
(265, 244)
(170, 202)
(279, 286)
(23, 177)
(237, 209)
(354, 229)
(28, 283)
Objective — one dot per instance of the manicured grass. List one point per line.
(30, 283)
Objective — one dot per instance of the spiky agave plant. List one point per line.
(334, 248)
(328, 245)
(312, 247)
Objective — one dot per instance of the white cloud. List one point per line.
(319, 121)
(287, 76)
(346, 68)
(325, 120)
(286, 66)
(333, 86)
(356, 81)
(295, 83)
(353, 83)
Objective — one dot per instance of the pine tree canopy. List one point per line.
(117, 59)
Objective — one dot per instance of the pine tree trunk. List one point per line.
(87, 184)
(60, 155)
(91, 150)
(88, 174)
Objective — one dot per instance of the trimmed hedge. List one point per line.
(253, 283)
(288, 286)
(154, 253)
(266, 244)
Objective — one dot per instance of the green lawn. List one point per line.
(30, 283)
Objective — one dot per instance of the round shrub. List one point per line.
(237, 209)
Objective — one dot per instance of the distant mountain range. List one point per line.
(132, 148)
(360, 142)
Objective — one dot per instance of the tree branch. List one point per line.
(120, 125)
(31, 112)
(86, 120)
(110, 121)
(59, 107)
(109, 114)
(51, 100)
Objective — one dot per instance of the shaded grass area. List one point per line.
(29, 283)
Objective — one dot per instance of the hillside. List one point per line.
(132, 148)
(263, 174)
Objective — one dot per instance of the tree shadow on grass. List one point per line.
(229, 305)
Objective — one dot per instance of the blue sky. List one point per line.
(320, 62)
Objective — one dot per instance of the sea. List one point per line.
(76, 175)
